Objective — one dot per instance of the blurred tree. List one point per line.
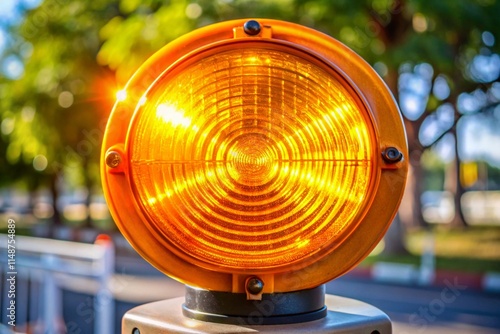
(52, 113)
(142, 28)
(429, 53)
(424, 50)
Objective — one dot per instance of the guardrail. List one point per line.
(42, 263)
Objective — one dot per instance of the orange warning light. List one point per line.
(272, 151)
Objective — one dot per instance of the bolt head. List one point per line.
(392, 155)
(255, 285)
(113, 159)
(252, 28)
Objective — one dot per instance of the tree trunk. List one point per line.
(394, 240)
(454, 185)
(54, 191)
(411, 207)
(410, 211)
(395, 236)
(88, 186)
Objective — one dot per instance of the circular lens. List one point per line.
(251, 158)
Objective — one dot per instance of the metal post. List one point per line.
(43, 259)
(103, 301)
(428, 262)
(52, 298)
(345, 316)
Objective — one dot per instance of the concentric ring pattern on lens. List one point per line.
(251, 158)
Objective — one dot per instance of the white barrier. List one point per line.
(46, 261)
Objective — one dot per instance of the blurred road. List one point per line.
(452, 308)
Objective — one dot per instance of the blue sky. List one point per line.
(11, 10)
(11, 13)
(8, 16)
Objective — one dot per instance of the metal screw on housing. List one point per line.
(392, 155)
(113, 159)
(255, 285)
(136, 331)
(252, 28)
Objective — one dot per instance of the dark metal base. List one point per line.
(344, 316)
(273, 309)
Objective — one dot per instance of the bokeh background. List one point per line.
(63, 64)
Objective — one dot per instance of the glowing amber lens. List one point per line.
(251, 158)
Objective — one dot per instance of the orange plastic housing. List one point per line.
(237, 155)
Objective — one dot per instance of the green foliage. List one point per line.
(474, 250)
(55, 100)
(129, 40)
(142, 28)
